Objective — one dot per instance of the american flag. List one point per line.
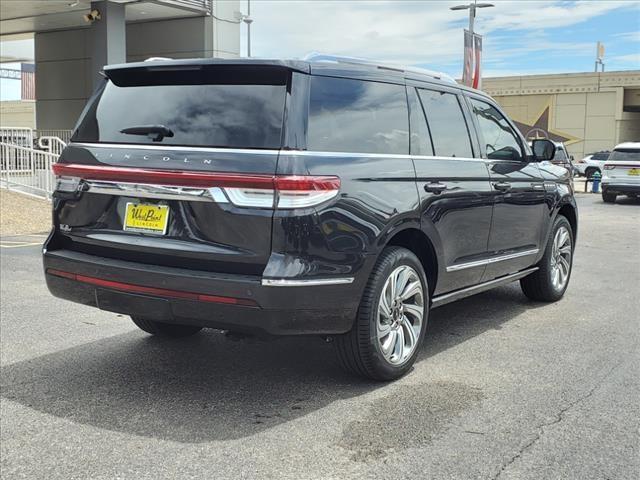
(28, 81)
(477, 72)
(468, 59)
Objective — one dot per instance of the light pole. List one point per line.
(248, 20)
(472, 7)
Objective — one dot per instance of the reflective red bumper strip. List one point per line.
(160, 292)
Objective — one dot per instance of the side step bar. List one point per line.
(481, 287)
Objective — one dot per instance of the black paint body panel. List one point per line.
(219, 249)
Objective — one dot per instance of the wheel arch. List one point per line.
(420, 244)
(570, 212)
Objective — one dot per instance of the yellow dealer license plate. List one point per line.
(146, 218)
(634, 171)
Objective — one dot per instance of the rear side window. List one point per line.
(348, 115)
(632, 154)
(211, 115)
(600, 156)
(420, 138)
(446, 121)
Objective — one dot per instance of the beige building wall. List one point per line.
(20, 113)
(588, 111)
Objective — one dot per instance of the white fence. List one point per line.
(27, 170)
(29, 137)
(51, 144)
(26, 157)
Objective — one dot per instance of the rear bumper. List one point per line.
(234, 302)
(621, 188)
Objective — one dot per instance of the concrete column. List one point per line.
(108, 37)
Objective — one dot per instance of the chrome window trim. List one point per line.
(302, 153)
(488, 261)
(287, 282)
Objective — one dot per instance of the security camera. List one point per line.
(92, 16)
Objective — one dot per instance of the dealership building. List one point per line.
(589, 112)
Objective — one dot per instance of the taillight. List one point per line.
(242, 190)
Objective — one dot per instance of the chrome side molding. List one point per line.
(286, 282)
(488, 261)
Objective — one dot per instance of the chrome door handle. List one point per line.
(502, 186)
(435, 187)
(537, 186)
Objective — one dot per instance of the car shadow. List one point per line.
(207, 387)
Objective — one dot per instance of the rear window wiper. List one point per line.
(154, 132)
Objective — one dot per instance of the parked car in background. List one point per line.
(290, 197)
(592, 163)
(622, 172)
(563, 158)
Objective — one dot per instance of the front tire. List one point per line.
(608, 197)
(391, 320)
(551, 280)
(165, 329)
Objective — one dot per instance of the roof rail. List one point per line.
(157, 59)
(321, 57)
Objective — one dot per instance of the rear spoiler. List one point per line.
(204, 71)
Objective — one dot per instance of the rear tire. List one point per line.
(165, 329)
(608, 197)
(551, 280)
(391, 320)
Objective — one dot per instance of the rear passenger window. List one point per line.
(348, 115)
(497, 136)
(448, 127)
(420, 138)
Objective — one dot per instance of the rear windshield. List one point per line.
(235, 115)
(626, 154)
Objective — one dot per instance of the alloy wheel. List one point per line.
(400, 315)
(561, 258)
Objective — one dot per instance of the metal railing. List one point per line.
(20, 136)
(27, 170)
(51, 144)
(64, 135)
(29, 137)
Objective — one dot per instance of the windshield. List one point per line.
(626, 154)
(210, 115)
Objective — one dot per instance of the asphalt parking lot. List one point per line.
(504, 388)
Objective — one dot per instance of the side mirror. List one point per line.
(543, 149)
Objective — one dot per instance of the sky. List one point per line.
(520, 37)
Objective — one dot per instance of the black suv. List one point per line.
(302, 197)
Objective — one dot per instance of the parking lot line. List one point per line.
(18, 244)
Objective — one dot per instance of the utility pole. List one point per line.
(472, 7)
(248, 20)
